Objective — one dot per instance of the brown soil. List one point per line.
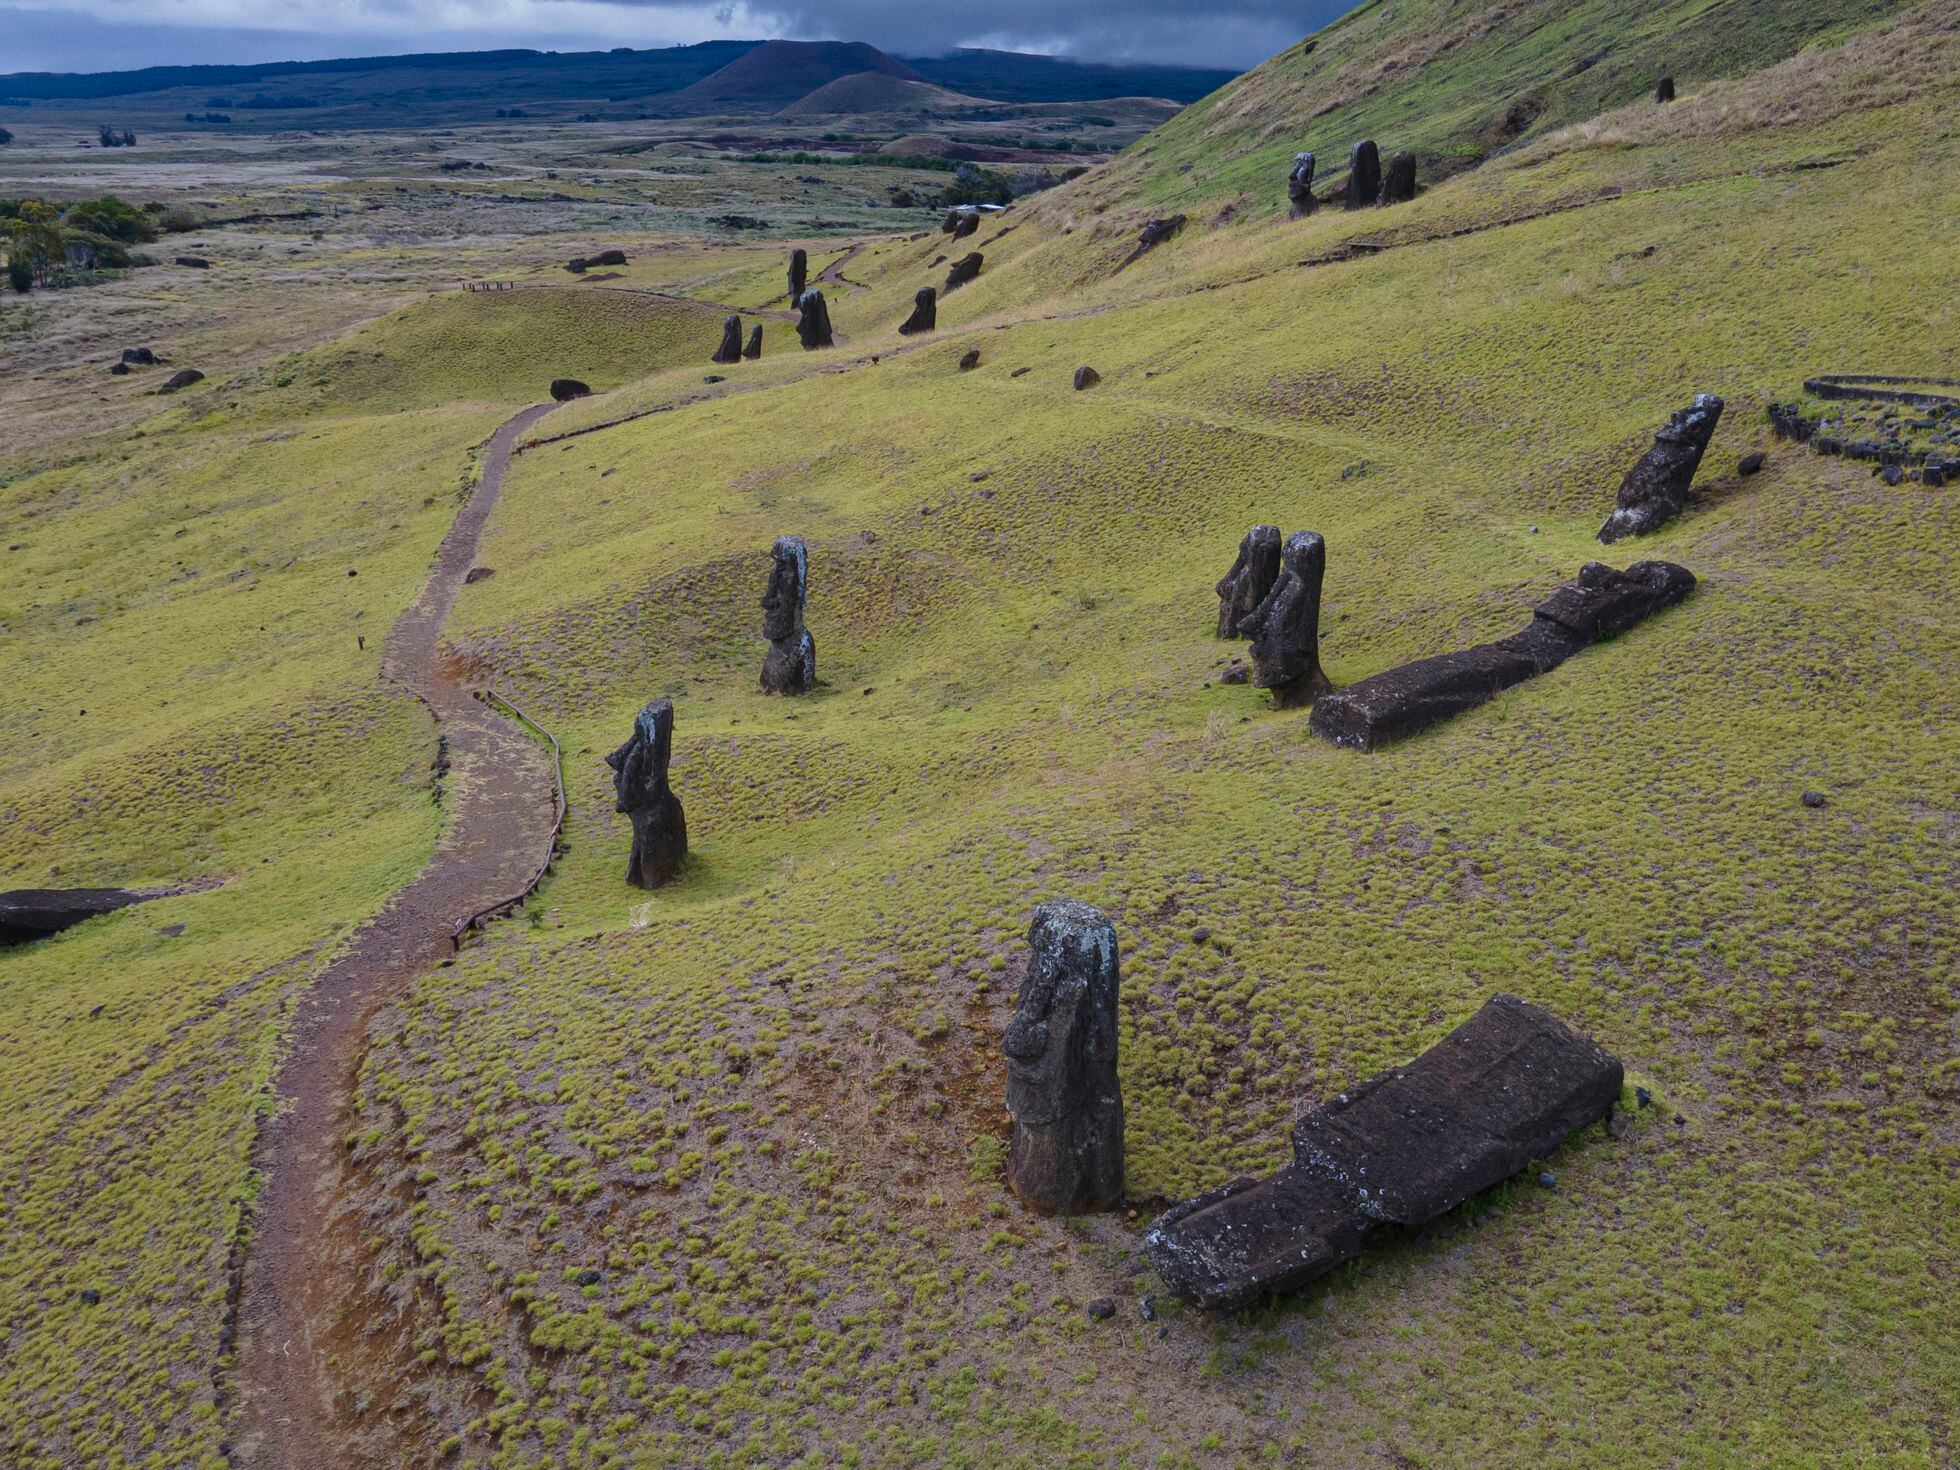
(303, 1276)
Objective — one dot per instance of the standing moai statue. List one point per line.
(969, 224)
(754, 349)
(1252, 576)
(1285, 627)
(640, 786)
(966, 268)
(731, 341)
(790, 666)
(925, 312)
(1066, 1154)
(1399, 182)
(799, 275)
(1364, 185)
(952, 220)
(1299, 187)
(1664, 91)
(813, 320)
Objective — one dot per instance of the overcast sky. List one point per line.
(111, 35)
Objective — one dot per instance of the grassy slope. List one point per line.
(767, 1116)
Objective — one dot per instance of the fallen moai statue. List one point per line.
(1155, 233)
(754, 350)
(35, 913)
(964, 270)
(607, 257)
(813, 321)
(925, 313)
(140, 357)
(1364, 183)
(1656, 488)
(1285, 626)
(182, 378)
(1252, 576)
(1601, 603)
(967, 224)
(790, 666)
(1066, 1153)
(799, 274)
(640, 786)
(1299, 187)
(1504, 1088)
(564, 390)
(731, 341)
(1399, 182)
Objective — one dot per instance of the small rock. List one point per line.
(1548, 1180)
(90, 1296)
(1643, 1097)
(588, 1277)
(1891, 474)
(352, 573)
(1200, 935)
(478, 574)
(971, 361)
(1086, 377)
(1751, 463)
(1813, 799)
(1147, 1309)
(978, 475)
(714, 378)
(1101, 1309)
(1235, 674)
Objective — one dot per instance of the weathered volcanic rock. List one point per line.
(925, 313)
(182, 378)
(952, 220)
(1664, 90)
(608, 257)
(1599, 604)
(35, 913)
(790, 666)
(118, 369)
(1066, 1153)
(641, 791)
(563, 390)
(1364, 184)
(813, 320)
(967, 224)
(576, 265)
(1399, 182)
(799, 274)
(1252, 576)
(1656, 488)
(1506, 1087)
(1086, 377)
(140, 357)
(1285, 626)
(1299, 186)
(754, 349)
(194, 262)
(965, 269)
(731, 341)
(969, 360)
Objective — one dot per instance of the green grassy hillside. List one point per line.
(710, 1177)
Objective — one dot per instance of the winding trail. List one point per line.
(305, 1262)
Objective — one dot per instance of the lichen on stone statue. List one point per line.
(925, 313)
(1065, 1156)
(731, 341)
(641, 791)
(790, 666)
(813, 320)
(1299, 186)
(1242, 589)
(1285, 626)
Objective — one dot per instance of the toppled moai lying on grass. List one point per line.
(1600, 603)
(1506, 1087)
(35, 913)
(1656, 488)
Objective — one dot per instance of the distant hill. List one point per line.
(1013, 76)
(870, 91)
(778, 73)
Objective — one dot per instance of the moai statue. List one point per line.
(790, 667)
(731, 341)
(965, 269)
(640, 784)
(1399, 183)
(1252, 576)
(1066, 1155)
(1656, 488)
(799, 274)
(1364, 185)
(813, 320)
(952, 220)
(969, 224)
(1664, 91)
(1299, 187)
(925, 312)
(754, 349)
(1285, 627)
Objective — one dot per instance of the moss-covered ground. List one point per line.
(710, 1176)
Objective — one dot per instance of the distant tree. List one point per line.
(20, 272)
(111, 219)
(34, 244)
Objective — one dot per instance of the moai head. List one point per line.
(925, 312)
(1061, 1044)
(1399, 182)
(799, 273)
(731, 341)
(754, 349)
(640, 765)
(782, 603)
(1299, 183)
(813, 319)
(1285, 627)
(1364, 175)
(1252, 576)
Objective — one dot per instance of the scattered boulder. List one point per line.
(1664, 90)
(1812, 799)
(119, 370)
(1086, 377)
(1399, 183)
(1252, 576)
(799, 273)
(576, 265)
(563, 390)
(1506, 1087)
(790, 666)
(1065, 1156)
(968, 224)
(140, 357)
(194, 262)
(754, 350)
(964, 270)
(1285, 626)
(1656, 488)
(1364, 184)
(182, 378)
(813, 321)
(1299, 187)
(925, 313)
(731, 341)
(1599, 604)
(1751, 464)
(970, 360)
(478, 574)
(641, 791)
(35, 913)
(608, 257)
